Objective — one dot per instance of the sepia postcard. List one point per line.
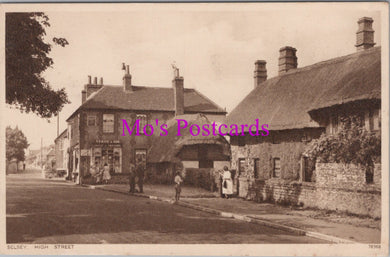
(229, 129)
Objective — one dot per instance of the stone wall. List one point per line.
(339, 187)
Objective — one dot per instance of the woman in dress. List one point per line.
(106, 173)
(227, 183)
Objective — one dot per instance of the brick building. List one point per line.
(95, 128)
(298, 105)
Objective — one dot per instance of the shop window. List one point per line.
(256, 168)
(91, 120)
(142, 122)
(277, 168)
(108, 123)
(241, 166)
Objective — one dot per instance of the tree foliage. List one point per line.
(16, 143)
(351, 144)
(26, 59)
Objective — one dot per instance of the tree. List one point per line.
(26, 59)
(16, 143)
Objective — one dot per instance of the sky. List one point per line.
(214, 46)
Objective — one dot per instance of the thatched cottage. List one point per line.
(299, 105)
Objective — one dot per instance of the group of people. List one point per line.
(101, 175)
(136, 172)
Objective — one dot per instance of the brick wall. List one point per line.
(339, 187)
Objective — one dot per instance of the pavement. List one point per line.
(298, 222)
(52, 211)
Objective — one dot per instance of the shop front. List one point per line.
(107, 152)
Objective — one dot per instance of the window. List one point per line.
(276, 171)
(334, 124)
(142, 122)
(256, 168)
(108, 123)
(374, 119)
(91, 120)
(369, 175)
(241, 166)
(308, 167)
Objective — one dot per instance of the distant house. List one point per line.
(188, 151)
(95, 129)
(51, 159)
(298, 105)
(61, 153)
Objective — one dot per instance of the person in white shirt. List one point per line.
(178, 181)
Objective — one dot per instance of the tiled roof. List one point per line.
(149, 99)
(283, 102)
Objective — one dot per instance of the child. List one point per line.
(178, 181)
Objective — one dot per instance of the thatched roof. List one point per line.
(283, 102)
(148, 99)
(166, 148)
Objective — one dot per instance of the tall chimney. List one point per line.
(287, 59)
(83, 96)
(90, 88)
(365, 34)
(95, 80)
(178, 93)
(260, 73)
(127, 80)
(101, 81)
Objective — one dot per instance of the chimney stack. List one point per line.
(260, 73)
(101, 81)
(178, 93)
(95, 80)
(287, 59)
(90, 88)
(365, 34)
(127, 80)
(83, 96)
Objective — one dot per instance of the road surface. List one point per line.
(54, 211)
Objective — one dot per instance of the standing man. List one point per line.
(141, 174)
(132, 178)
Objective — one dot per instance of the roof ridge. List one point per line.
(325, 62)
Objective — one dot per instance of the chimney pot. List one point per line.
(287, 59)
(260, 73)
(365, 34)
